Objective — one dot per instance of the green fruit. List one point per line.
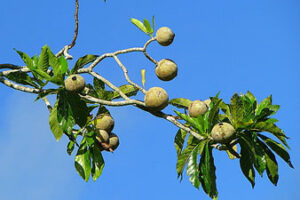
(75, 83)
(102, 136)
(166, 69)
(197, 107)
(113, 141)
(156, 98)
(104, 122)
(164, 36)
(222, 132)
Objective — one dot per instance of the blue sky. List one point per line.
(228, 46)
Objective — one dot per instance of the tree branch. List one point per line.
(18, 87)
(126, 75)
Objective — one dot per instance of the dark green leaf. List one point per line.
(129, 90)
(97, 163)
(139, 24)
(43, 62)
(54, 123)
(258, 155)
(179, 140)
(21, 78)
(207, 170)
(180, 102)
(45, 93)
(271, 128)
(83, 161)
(272, 166)
(183, 158)
(246, 163)
(277, 148)
(64, 112)
(79, 108)
(81, 62)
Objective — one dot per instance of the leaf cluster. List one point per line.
(251, 121)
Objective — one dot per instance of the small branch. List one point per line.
(109, 84)
(18, 87)
(112, 103)
(173, 120)
(145, 50)
(76, 25)
(127, 77)
(22, 69)
(9, 66)
(65, 50)
(47, 103)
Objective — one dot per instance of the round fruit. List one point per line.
(102, 136)
(75, 83)
(197, 107)
(222, 132)
(164, 36)
(113, 141)
(104, 122)
(166, 69)
(156, 98)
(207, 102)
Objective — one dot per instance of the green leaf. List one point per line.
(26, 58)
(81, 62)
(272, 166)
(192, 168)
(139, 24)
(54, 123)
(70, 147)
(183, 158)
(246, 163)
(278, 149)
(264, 104)
(179, 140)
(129, 90)
(43, 62)
(97, 163)
(258, 155)
(46, 93)
(192, 121)
(79, 108)
(180, 102)
(99, 87)
(83, 161)
(207, 170)
(64, 112)
(213, 112)
(236, 110)
(21, 78)
(148, 27)
(271, 128)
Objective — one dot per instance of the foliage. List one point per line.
(250, 120)
(257, 137)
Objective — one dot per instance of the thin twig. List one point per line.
(145, 50)
(126, 75)
(47, 104)
(9, 66)
(112, 103)
(65, 50)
